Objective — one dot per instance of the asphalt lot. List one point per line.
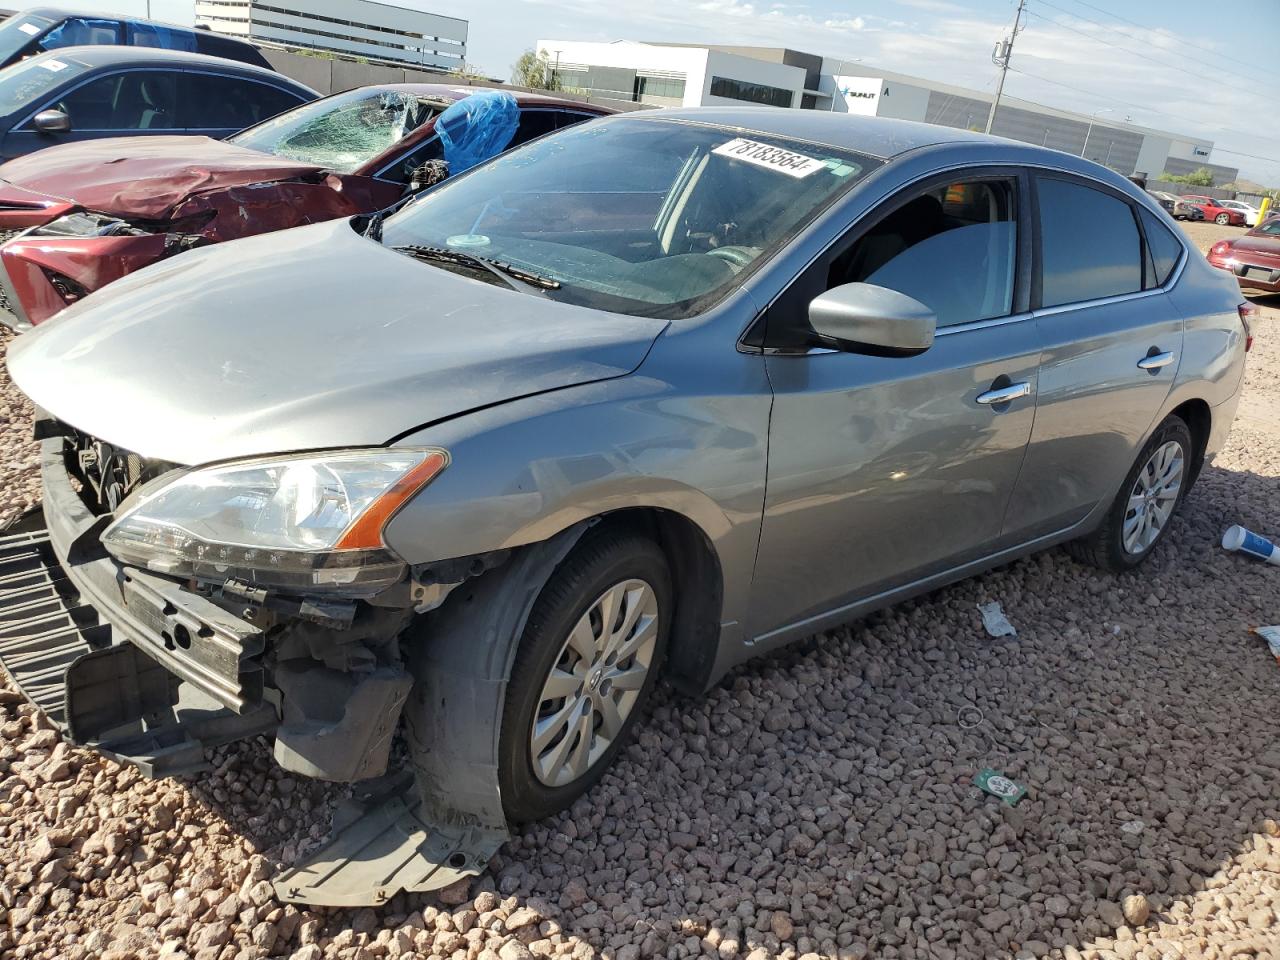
(818, 803)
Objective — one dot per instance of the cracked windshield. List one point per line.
(344, 132)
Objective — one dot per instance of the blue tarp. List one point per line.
(476, 128)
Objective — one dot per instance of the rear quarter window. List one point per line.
(1089, 244)
(1164, 247)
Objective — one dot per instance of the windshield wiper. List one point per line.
(516, 277)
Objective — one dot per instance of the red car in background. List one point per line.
(1222, 215)
(75, 217)
(1254, 257)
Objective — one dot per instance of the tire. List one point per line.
(602, 563)
(1106, 547)
(1222, 219)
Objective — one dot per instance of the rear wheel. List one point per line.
(1139, 517)
(587, 663)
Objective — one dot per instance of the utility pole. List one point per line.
(1000, 57)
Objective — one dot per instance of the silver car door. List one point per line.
(1112, 341)
(886, 470)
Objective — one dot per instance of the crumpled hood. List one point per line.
(144, 177)
(309, 338)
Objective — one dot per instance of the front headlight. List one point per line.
(304, 524)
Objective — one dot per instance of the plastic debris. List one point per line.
(1133, 827)
(476, 128)
(1272, 636)
(1238, 539)
(995, 621)
(998, 785)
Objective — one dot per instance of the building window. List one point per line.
(664, 91)
(750, 92)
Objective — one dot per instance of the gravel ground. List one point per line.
(817, 803)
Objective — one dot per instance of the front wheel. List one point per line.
(1222, 219)
(587, 662)
(1139, 517)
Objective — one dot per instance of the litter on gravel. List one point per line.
(1272, 636)
(998, 785)
(995, 621)
(1239, 540)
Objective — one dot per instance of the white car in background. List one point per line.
(1250, 212)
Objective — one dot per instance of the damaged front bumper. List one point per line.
(143, 669)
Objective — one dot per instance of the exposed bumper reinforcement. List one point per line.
(381, 846)
(98, 687)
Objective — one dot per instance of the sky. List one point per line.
(1167, 65)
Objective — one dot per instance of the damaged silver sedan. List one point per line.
(646, 397)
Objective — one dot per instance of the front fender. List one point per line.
(523, 471)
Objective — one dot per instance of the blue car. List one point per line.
(41, 29)
(87, 93)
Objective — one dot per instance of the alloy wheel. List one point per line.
(594, 683)
(1153, 497)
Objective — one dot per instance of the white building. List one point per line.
(668, 75)
(361, 28)
(678, 75)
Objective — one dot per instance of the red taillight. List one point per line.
(1219, 248)
(1248, 313)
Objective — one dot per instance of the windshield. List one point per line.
(18, 31)
(650, 217)
(23, 84)
(341, 133)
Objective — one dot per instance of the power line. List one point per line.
(1089, 36)
(1139, 106)
(1171, 36)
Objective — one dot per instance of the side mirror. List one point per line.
(864, 318)
(52, 121)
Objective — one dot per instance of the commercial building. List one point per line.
(664, 74)
(359, 28)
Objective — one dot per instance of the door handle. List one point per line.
(1005, 394)
(1155, 361)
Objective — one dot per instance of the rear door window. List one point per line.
(1089, 244)
(165, 38)
(533, 124)
(134, 100)
(216, 102)
(569, 118)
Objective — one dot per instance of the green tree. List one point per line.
(1199, 178)
(467, 71)
(534, 69)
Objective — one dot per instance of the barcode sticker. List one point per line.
(773, 158)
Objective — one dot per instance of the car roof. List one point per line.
(104, 55)
(453, 91)
(878, 137)
(65, 13)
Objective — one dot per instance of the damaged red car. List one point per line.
(73, 218)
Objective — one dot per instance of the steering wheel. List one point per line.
(736, 256)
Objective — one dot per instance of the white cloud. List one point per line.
(849, 23)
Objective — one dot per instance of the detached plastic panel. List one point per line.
(380, 846)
